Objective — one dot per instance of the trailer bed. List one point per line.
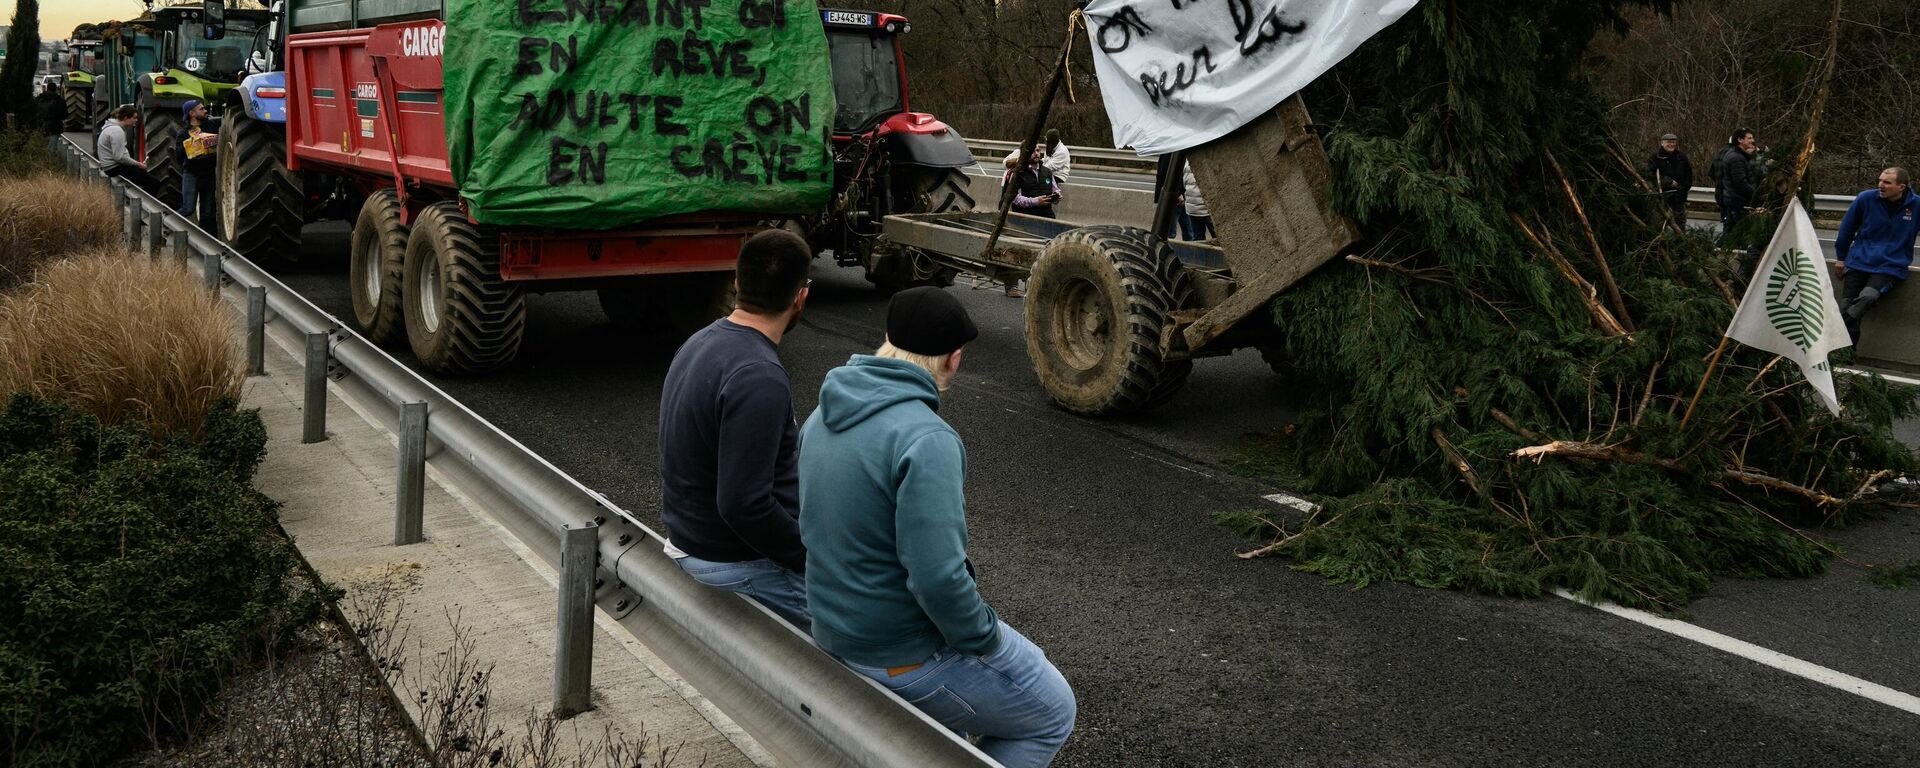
(960, 239)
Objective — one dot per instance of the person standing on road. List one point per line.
(1875, 245)
(1198, 225)
(894, 596)
(1672, 174)
(1057, 159)
(1035, 193)
(728, 482)
(1736, 182)
(53, 113)
(110, 150)
(196, 178)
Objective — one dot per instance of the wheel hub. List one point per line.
(1085, 323)
(429, 308)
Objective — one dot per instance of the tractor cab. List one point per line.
(216, 52)
(869, 71)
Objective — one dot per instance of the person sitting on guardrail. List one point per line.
(196, 177)
(1875, 245)
(884, 518)
(729, 486)
(1672, 175)
(1736, 180)
(110, 150)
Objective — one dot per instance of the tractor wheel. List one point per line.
(462, 317)
(164, 134)
(1097, 301)
(682, 303)
(935, 190)
(79, 105)
(378, 252)
(259, 199)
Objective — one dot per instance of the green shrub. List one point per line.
(25, 153)
(135, 571)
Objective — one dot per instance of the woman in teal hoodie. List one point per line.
(883, 516)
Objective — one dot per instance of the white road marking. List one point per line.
(1780, 661)
(1290, 500)
(1171, 464)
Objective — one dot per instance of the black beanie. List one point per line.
(928, 321)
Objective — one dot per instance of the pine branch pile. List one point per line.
(1496, 386)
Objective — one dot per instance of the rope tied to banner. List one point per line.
(1075, 21)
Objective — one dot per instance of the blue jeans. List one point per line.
(1013, 698)
(780, 590)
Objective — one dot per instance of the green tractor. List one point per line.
(83, 60)
(200, 57)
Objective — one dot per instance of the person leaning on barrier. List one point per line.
(196, 178)
(892, 590)
(1056, 157)
(1672, 174)
(110, 150)
(1736, 179)
(1875, 245)
(728, 484)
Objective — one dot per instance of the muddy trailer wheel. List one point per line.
(378, 255)
(259, 199)
(1097, 301)
(935, 190)
(682, 304)
(79, 109)
(462, 317)
(164, 134)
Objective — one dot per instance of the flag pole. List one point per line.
(1711, 364)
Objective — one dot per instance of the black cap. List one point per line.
(928, 321)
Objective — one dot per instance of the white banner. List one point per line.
(1179, 73)
(1789, 308)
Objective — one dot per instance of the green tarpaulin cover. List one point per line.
(595, 114)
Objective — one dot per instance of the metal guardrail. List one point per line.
(1126, 160)
(795, 700)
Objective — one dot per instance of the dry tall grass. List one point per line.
(47, 215)
(128, 339)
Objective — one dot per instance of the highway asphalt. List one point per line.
(1095, 539)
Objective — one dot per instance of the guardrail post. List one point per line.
(316, 400)
(130, 217)
(177, 239)
(156, 229)
(573, 643)
(210, 270)
(119, 191)
(410, 496)
(256, 330)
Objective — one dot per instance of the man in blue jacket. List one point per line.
(729, 492)
(892, 591)
(1875, 245)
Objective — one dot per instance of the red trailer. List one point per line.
(367, 104)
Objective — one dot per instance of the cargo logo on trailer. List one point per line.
(423, 41)
(366, 105)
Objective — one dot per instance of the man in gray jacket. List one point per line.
(110, 150)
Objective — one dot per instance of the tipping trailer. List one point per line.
(1116, 315)
(362, 92)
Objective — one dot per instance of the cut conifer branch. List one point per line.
(1579, 450)
(1599, 256)
(1589, 296)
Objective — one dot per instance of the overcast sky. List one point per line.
(59, 17)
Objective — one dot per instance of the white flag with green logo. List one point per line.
(1789, 308)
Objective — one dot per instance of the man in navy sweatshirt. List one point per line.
(1875, 245)
(728, 484)
(893, 594)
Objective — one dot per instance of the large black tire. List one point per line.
(378, 256)
(164, 133)
(932, 190)
(682, 303)
(1097, 302)
(79, 109)
(259, 199)
(462, 317)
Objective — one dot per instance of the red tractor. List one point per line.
(888, 159)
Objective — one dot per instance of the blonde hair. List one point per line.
(930, 363)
